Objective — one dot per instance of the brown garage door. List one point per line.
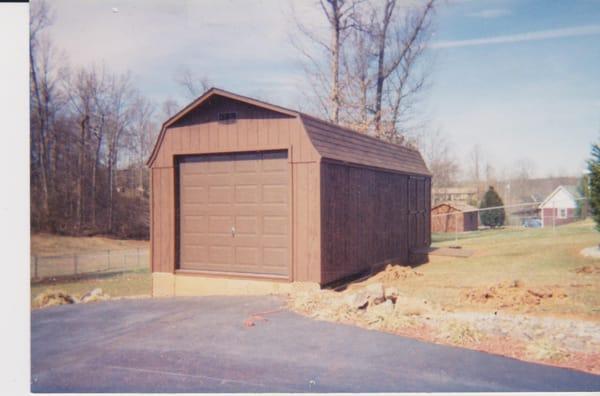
(234, 214)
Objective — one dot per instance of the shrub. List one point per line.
(494, 217)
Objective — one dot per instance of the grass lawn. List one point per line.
(132, 283)
(536, 257)
(116, 284)
(49, 245)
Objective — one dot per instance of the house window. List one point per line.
(562, 213)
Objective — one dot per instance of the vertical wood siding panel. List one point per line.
(155, 216)
(365, 219)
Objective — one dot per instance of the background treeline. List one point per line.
(91, 132)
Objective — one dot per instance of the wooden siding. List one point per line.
(256, 129)
(550, 217)
(369, 217)
(445, 218)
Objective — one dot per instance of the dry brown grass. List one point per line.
(134, 283)
(51, 245)
(515, 275)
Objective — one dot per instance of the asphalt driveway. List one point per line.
(202, 345)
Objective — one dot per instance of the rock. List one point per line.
(358, 300)
(391, 293)
(387, 307)
(375, 292)
(381, 310)
(95, 295)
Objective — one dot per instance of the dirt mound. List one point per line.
(51, 298)
(512, 294)
(393, 273)
(587, 269)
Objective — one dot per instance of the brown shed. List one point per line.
(245, 189)
(454, 217)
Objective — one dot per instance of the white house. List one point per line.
(560, 206)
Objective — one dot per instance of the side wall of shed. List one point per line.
(256, 129)
(370, 217)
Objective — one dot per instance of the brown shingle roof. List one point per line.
(343, 144)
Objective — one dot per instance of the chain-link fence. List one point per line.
(43, 267)
(454, 221)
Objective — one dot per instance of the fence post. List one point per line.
(455, 227)
(75, 263)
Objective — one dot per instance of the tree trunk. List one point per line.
(335, 70)
(42, 141)
(80, 194)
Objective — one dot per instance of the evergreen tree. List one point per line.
(594, 168)
(583, 206)
(494, 217)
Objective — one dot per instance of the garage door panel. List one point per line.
(274, 193)
(247, 255)
(246, 163)
(194, 194)
(220, 194)
(220, 225)
(274, 241)
(194, 224)
(195, 253)
(248, 191)
(275, 225)
(220, 254)
(246, 225)
(275, 209)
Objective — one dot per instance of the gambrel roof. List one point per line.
(330, 140)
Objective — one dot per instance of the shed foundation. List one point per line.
(173, 285)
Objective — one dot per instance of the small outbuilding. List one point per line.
(245, 192)
(454, 217)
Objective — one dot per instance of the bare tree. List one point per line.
(438, 155)
(46, 100)
(194, 86)
(168, 108)
(339, 17)
(475, 169)
(374, 59)
(120, 98)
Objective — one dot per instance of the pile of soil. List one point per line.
(393, 273)
(512, 295)
(588, 269)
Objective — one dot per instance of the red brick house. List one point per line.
(560, 206)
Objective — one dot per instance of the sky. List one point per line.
(518, 78)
